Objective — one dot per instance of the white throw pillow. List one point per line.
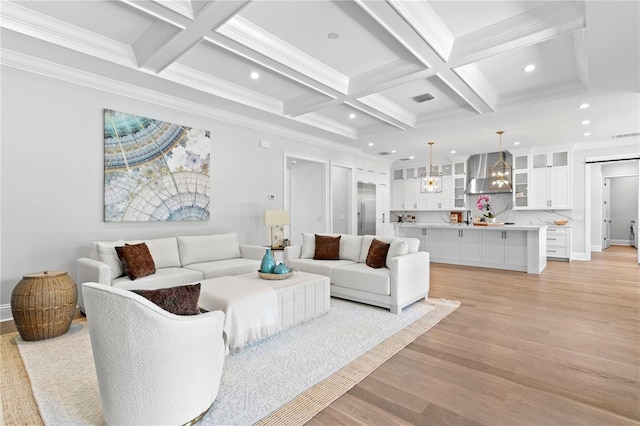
(164, 252)
(207, 248)
(398, 247)
(308, 246)
(350, 246)
(106, 253)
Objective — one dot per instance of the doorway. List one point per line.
(306, 196)
(341, 199)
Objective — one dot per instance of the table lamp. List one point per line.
(276, 219)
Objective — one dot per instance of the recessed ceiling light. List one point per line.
(411, 157)
(583, 106)
(352, 116)
(255, 75)
(370, 143)
(333, 36)
(516, 143)
(587, 134)
(529, 68)
(453, 152)
(586, 122)
(393, 151)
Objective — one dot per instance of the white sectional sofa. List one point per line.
(403, 280)
(178, 260)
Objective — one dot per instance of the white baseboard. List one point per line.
(620, 242)
(579, 256)
(597, 248)
(5, 312)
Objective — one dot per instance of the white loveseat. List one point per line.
(178, 260)
(403, 280)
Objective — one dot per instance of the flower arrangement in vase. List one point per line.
(483, 205)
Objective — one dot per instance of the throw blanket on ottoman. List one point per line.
(251, 309)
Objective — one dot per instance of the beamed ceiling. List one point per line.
(355, 72)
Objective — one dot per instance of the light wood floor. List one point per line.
(560, 348)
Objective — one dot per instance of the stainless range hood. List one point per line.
(478, 172)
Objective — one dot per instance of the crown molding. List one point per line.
(37, 25)
(580, 49)
(545, 22)
(158, 11)
(386, 76)
(182, 7)
(204, 82)
(324, 123)
(83, 78)
(393, 110)
(476, 80)
(254, 37)
(427, 24)
(306, 103)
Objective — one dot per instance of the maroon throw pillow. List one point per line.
(136, 260)
(182, 300)
(377, 255)
(327, 247)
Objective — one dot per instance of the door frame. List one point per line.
(351, 194)
(588, 162)
(287, 156)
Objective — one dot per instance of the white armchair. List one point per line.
(153, 367)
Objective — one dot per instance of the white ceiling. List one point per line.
(469, 55)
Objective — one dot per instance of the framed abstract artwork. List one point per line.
(154, 170)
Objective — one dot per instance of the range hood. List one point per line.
(478, 172)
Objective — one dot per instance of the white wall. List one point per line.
(52, 175)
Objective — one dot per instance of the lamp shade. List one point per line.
(277, 217)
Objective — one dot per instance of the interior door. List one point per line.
(308, 214)
(606, 213)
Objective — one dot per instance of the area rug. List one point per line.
(285, 379)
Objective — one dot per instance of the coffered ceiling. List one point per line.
(394, 74)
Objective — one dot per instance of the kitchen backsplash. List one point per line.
(502, 205)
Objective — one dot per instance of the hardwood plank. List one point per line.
(558, 348)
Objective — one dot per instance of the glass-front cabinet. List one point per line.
(542, 181)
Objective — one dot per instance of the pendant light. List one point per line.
(500, 174)
(431, 179)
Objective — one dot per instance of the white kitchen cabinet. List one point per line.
(521, 189)
(559, 243)
(542, 181)
(436, 200)
(397, 194)
(550, 159)
(505, 249)
(550, 188)
(430, 241)
(411, 191)
(459, 185)
(365, 171)
(384, 226)
(461, 244)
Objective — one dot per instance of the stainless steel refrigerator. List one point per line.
(366, 209)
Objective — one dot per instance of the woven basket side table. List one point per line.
(43, 304)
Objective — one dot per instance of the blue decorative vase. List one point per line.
(281, 269)
(268, 263)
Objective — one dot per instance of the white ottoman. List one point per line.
(243, 298)
(300, 298)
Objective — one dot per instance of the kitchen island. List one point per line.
(513, 247)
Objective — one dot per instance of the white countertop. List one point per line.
(495, 227)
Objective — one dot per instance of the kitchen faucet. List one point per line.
(468, 220)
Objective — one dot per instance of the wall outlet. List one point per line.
(271, 196)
